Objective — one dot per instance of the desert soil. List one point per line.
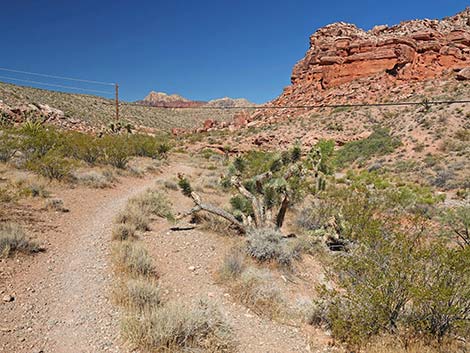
(62, 297)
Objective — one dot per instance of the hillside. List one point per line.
(88, 112)
(415, 61)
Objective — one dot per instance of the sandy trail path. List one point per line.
(62, 297)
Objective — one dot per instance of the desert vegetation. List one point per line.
(56, 154)
(396, 257)
(149, 321)
(13, 239)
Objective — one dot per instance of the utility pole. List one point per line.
(117, 102)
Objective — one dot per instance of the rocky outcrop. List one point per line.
(44, 113)
(342, 53)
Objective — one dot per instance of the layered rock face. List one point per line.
(415, 50)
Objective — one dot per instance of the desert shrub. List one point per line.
(13, 239)
(399, 283)
(52, 166)
(8, 145)
(6, 195)
(170, 185)
(163, 148)
(456, 223)
(138, 295)
(144, 146)
(233, 264)
(36, 140)
(83, 147)
(34, 189)
(117, 150)
(269, 244)
(123, 231)
(153, 202)
(377, 281)
(441, 298)
(379, 143)
(133, 259)
(257, 290)
(94, 179)
(135, 216)
(56, 205)
(176, 326)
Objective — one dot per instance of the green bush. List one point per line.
(117, 150)
(379, 143)
(145, 146)
(83, 147)
(37, 140)
(8, 145)
(52, 166)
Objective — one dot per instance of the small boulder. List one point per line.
(464, 74)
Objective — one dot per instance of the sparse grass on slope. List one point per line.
(101, 111)
(147, 322)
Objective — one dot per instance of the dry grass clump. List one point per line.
(123, 231)
(270, 245)
(95, 179)
(171, 185)
(256, 289)
(152, 202)
(13, 239)
(132, 259)
(134, 216)
(178, 326)
(233, 265)
(31, 188)
(56, 205)
(147, 322)
(141, 208)
(138, 295)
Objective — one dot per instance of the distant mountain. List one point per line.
(160, 99)
(230, 102)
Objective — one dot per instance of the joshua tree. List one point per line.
(267, 185)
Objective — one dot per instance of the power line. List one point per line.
(358, 105)
(55, 85)
(57, 77)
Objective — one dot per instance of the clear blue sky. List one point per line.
(199, 49)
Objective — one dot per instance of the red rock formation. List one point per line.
(341, 53)
(160, 99)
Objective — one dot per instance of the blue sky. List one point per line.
(199, 49)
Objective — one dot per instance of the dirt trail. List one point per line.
(62, 299)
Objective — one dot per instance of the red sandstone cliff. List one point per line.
(412, 51)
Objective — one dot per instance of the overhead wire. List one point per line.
(55, 85)
(56, 77)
